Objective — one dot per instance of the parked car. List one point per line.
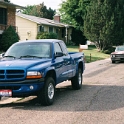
(35, 67)
(118, 55)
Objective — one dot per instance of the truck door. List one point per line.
(61, 64)
(67, 60)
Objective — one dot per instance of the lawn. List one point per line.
(91, 54)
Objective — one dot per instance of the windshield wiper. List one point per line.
(29, 56)
(10, 56)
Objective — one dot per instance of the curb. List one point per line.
(9, 100)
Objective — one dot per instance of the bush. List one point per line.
(9, 37)
(46, 35)
(77, 37)
(109, 50)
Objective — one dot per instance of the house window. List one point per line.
(41, 28)
(51, 29)
(3, 16)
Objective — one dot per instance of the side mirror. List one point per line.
(59, 54)
(2, 55)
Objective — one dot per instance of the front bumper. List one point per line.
(23, 88)
(117, 58)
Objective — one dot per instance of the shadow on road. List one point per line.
(89, 98)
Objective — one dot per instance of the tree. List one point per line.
(7, 1)
(77, 37)
(104, 23)
(72, 12)
(9, 37)
(39, 11)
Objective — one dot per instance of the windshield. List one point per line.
(29, 49)
(119, 48)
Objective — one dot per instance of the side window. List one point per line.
(64, 49)
(57, 48)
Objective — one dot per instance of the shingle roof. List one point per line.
(40, 21)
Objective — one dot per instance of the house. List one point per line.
(7, 15)
(29, 26)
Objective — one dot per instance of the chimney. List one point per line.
(57, 18)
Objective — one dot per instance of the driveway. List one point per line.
(100, 101)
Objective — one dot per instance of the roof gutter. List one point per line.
(6, 4)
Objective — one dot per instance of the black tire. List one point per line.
(47, 94)
(113, 61)
(76, 81)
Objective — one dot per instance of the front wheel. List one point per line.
(113, 61)
(76, 81)
(46, 96)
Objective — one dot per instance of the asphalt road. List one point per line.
(100, 101)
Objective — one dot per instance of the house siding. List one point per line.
(24, 26)
(11, 16)
(26, 29)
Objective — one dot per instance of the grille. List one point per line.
(11, 74)
(10, 87)
(120, 55)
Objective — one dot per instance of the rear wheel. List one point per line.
(76, 81)
(46, 96)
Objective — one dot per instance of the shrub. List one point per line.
(77, 37)
(9, 37)
(46, 35)
(109, 50)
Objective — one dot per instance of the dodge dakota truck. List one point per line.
(35, 67)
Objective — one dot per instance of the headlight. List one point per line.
(113, 55)
(33, 74)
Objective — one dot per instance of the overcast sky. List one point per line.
(54, 4)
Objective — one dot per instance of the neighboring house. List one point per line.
(7, 15)
(29, 26)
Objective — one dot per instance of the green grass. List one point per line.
(91, 54)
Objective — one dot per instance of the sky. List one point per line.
(54, 4)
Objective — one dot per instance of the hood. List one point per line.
(118, 52)
(22, 63)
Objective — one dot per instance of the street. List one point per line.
(100, 101)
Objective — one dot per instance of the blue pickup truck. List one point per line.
(35, 67)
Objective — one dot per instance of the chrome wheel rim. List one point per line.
(50, 91)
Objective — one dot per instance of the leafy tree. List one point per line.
(9, 37)
(104, 23)
(39, 11)
(73, 11)
(7, 1)
(78, 37)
